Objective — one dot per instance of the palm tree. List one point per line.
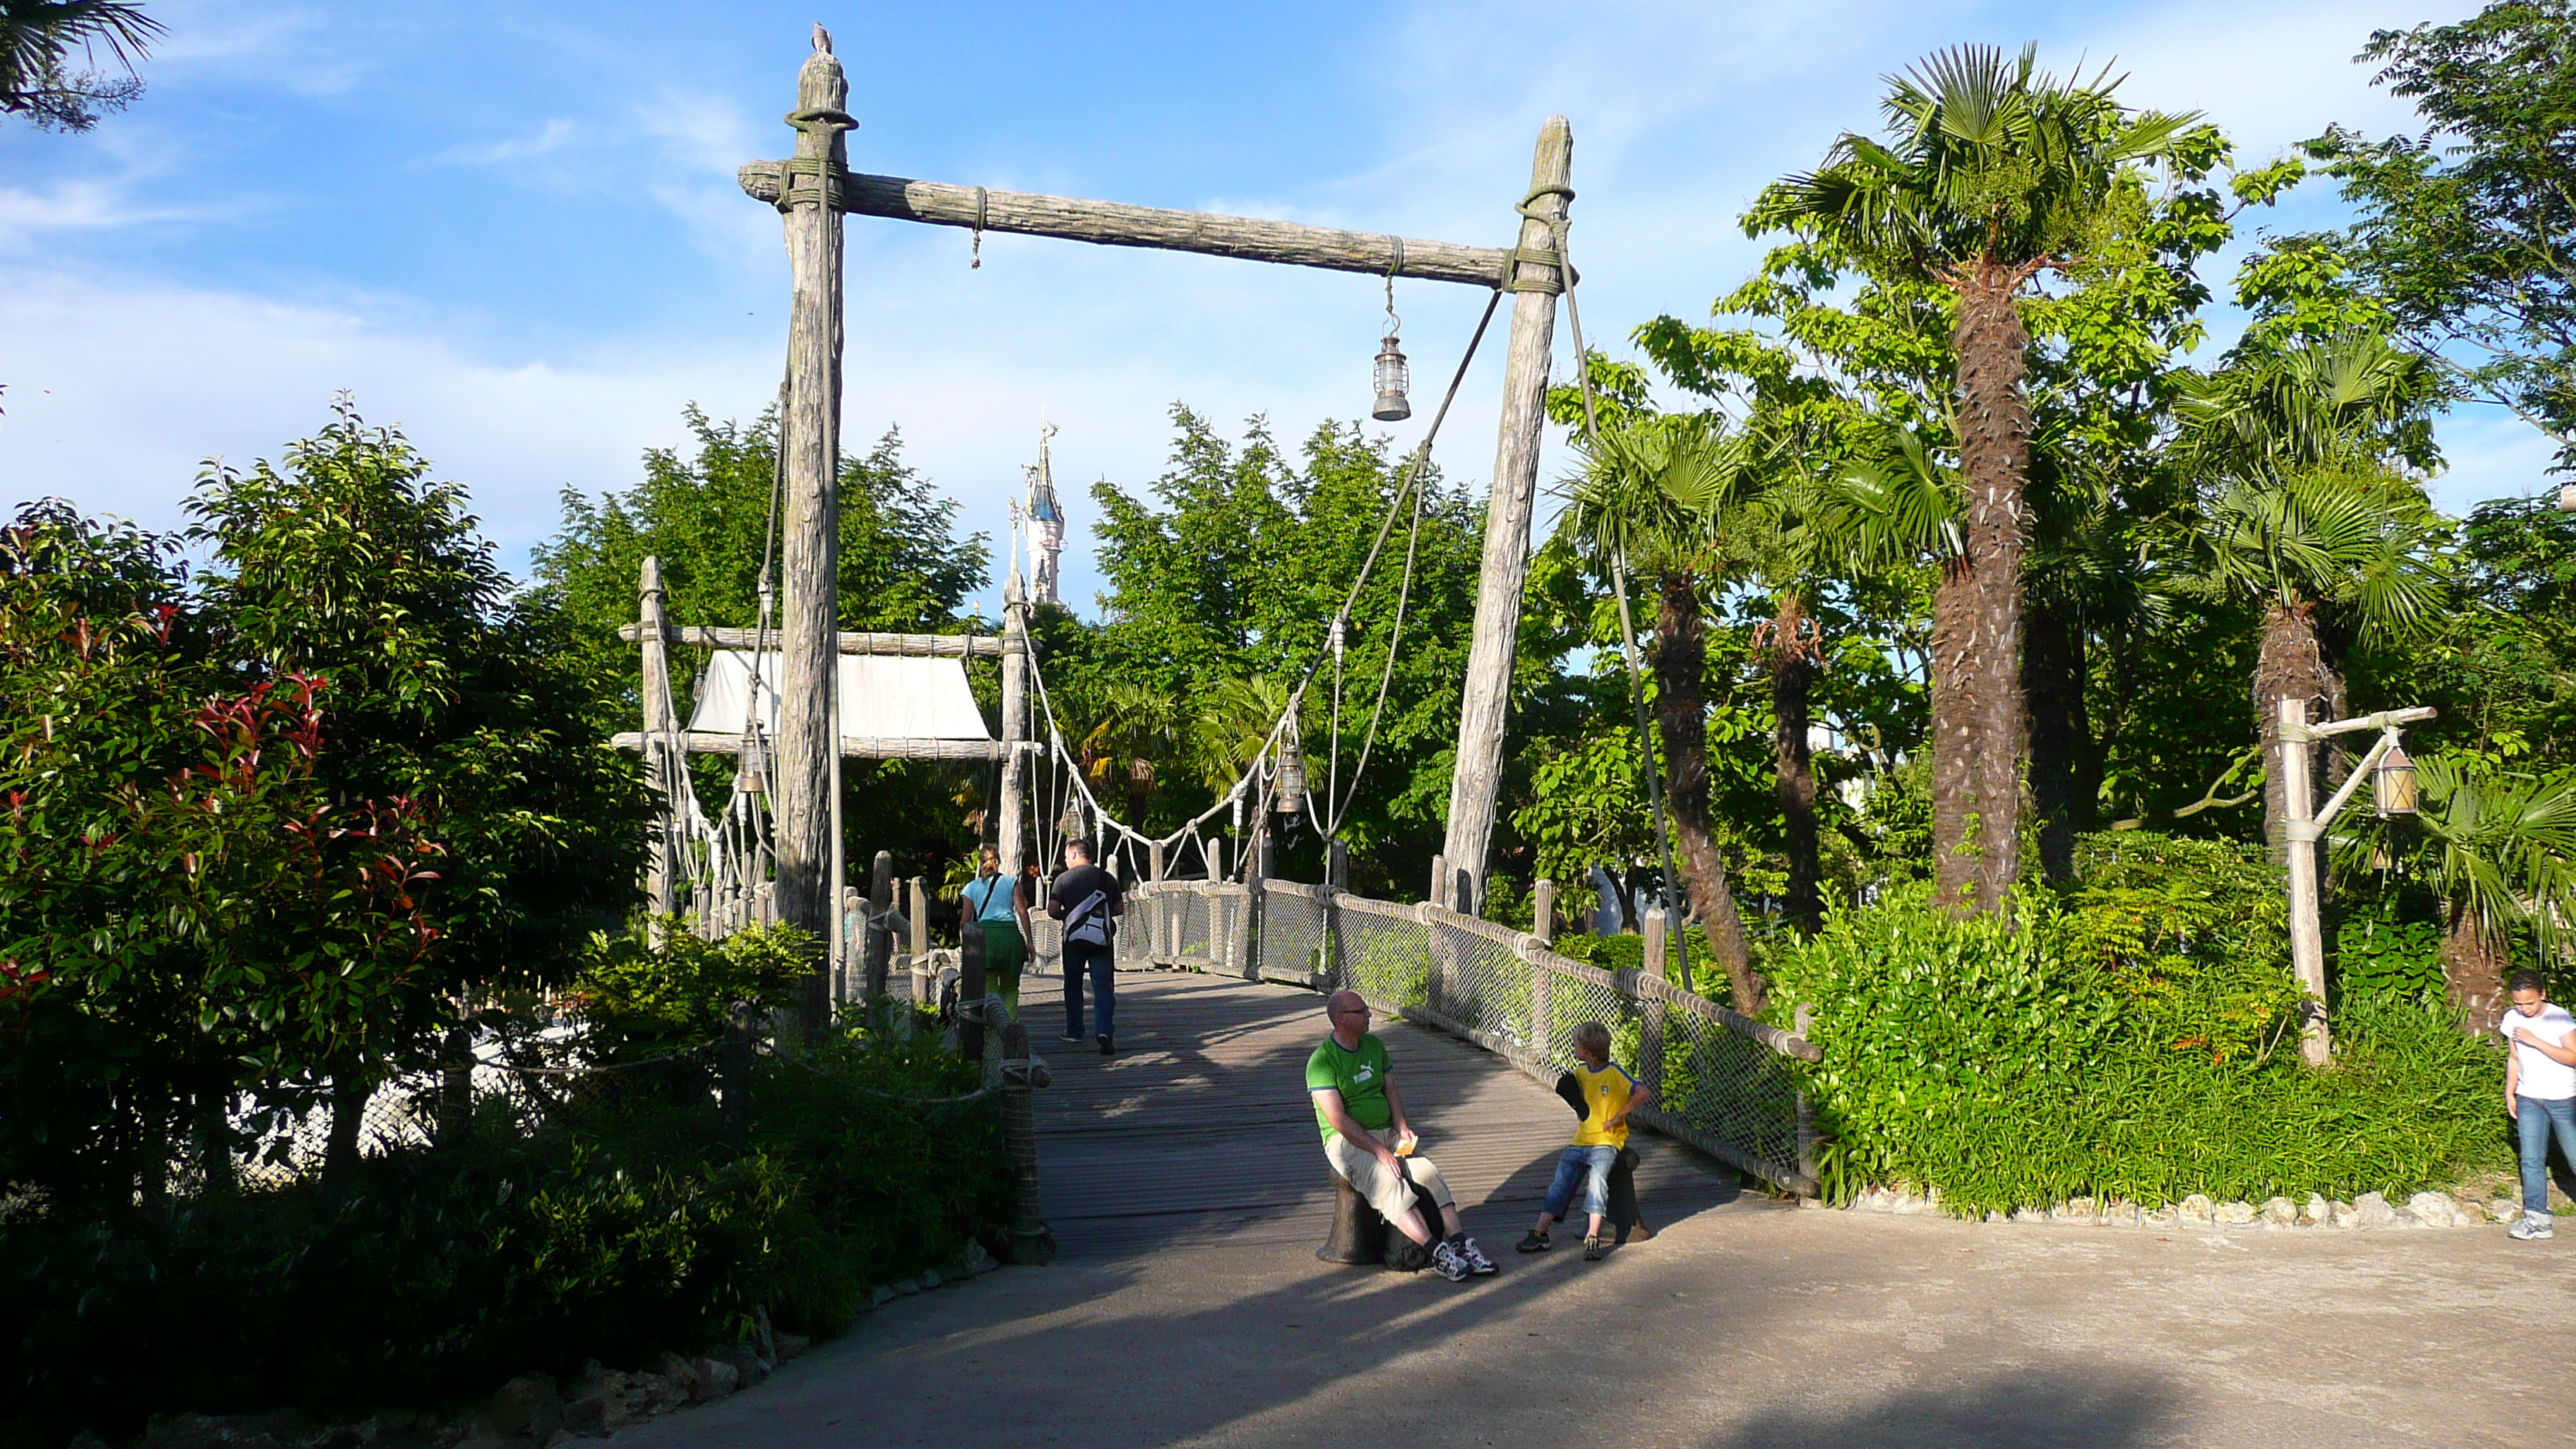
(37, 38)
(1646, 500)
(1994, 173)
(1138, 726)
(2501, 849)
(2308, 524)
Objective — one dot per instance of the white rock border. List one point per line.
(2370, 1211)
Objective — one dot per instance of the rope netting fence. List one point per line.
(1722, 1081)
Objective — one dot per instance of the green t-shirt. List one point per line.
(1359, 1074)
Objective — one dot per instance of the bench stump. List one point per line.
(1359, 1234)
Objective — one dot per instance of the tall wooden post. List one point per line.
(880, 938)
(662, 758)
(810, 441)
(1482, 711)
(1543, 910)
(2307, 937)
(1014, 825)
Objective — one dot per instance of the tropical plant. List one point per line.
(2499, 846)
(2306, 522)
(1646, 499)
(37, 79)
(1996, 173)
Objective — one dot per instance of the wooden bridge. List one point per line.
(1200, 1129)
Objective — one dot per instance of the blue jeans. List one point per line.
(2537, 1116)
(1592, 1165)
(1102, 964)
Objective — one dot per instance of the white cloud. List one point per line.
(553, 136)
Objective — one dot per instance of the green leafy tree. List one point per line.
(904, 566)
(1223, 577)
(1995, 173)
(38, 78)
(2464, 228)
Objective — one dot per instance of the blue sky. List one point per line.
(514, 229)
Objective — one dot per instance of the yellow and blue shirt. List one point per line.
(1605, 1094)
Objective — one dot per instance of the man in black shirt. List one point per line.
(1088, 900)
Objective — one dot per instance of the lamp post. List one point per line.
(2392, 777)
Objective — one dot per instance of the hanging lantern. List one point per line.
(1393, 377)
(1073, 822)
(751, 768)
(2392, 785)
(2567, 497)
(1292, 775)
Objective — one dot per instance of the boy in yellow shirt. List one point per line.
(1609, 1095)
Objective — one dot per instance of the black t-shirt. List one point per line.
(1085, 898)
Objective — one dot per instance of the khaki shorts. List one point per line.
(1386, 1191)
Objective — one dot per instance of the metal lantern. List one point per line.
(751, 769)
(1393, 377)
(2392, 785)
(1292, 772)
(2567, 497)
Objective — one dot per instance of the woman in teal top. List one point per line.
(996, 908)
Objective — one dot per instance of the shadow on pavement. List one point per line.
(2076, 1406)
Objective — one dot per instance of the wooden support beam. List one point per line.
(944, 646)
(1011, 832)
(801, 768)
(661, 772)
(1116, 224)
(1485, 705)
(853, 747)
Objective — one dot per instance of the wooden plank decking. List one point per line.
(1199, 1129)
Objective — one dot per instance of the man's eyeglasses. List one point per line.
(1350, 1011)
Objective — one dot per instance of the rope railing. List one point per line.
(1723, 1081)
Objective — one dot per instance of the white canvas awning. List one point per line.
(882, 696)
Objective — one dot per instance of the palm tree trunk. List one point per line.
(2474, 961)
(1793, 672)
(1954, 749)
(1994, 454)
(2052, 680)
(2291, 664)
(1681, 717)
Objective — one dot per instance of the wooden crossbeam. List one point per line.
(853, 747)
(1116, 224)
(955, 646)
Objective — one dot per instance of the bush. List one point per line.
(618, 1222)
(2133, 1038)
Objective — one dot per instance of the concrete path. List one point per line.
(1746, 1324)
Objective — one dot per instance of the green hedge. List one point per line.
(2133, 1037)
(622, 1223)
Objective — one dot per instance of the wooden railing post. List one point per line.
(1031, 1241)
(665, 769)
(924, 980)
(1543, 910)
(880, 938)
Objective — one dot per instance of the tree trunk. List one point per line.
(1953, 737)
(1793, 673)
(2052, 678)
(2474, 962)
(2291, 664)
(1994, 454)
(349, 1093)
(1681, 717)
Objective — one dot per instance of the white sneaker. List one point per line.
(1477, 1262)
(2532, 1228)
(1449, 1263)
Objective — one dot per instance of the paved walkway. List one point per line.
(1746, 1324)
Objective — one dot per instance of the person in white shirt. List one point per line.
(2539, 1093)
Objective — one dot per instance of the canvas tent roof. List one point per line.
(882, 697)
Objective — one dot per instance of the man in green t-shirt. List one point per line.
(1368, 1142)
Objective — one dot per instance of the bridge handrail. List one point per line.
(1499, 988)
